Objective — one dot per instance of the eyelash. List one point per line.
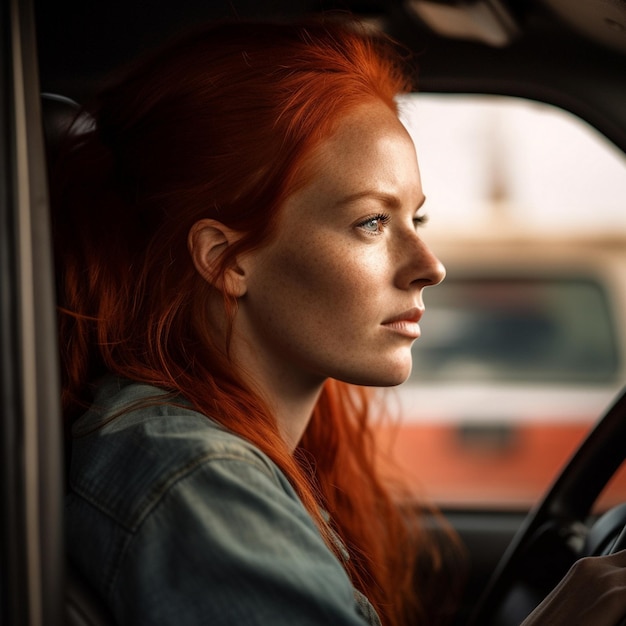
(383, 218)
(420, 220)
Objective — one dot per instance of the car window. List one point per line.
(521, 348)
(495, 161)
(530, 328)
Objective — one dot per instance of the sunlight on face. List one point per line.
(338, 291)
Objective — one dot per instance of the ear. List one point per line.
(207, 241)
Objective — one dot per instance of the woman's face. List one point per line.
(338, 291)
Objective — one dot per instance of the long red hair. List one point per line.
(220, 124)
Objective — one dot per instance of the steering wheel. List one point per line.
(556, 531)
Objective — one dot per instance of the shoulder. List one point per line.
(136, 443)
(169, 505)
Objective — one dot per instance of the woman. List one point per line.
(240, 252)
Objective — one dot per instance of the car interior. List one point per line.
(53, 55)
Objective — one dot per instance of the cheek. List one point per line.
(305, 273)
(328, 276)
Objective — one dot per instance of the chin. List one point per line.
(390, 375)
(392, 381)
(395, 372)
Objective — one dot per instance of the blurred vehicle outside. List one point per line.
(523, 346)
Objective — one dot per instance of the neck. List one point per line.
(291, 398)
(290, 394)
(292, 408)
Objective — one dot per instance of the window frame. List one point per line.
(31, 475)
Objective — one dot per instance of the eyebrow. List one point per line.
(386, 198)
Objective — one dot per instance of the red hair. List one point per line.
(220, 124)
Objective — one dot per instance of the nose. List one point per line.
(422, 268)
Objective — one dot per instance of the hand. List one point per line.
(593, 593)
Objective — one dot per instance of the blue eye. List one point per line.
(375, 223)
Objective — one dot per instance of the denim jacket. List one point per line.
(175, 520)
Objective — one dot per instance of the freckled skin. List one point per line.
(318, 294)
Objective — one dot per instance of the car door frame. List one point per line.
(31, 468)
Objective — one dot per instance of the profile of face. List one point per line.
(338, 291)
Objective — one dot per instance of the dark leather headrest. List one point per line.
(62, 117)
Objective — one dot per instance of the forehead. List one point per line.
(370, 151)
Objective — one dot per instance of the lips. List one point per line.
(413, 315)
(406, 323)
